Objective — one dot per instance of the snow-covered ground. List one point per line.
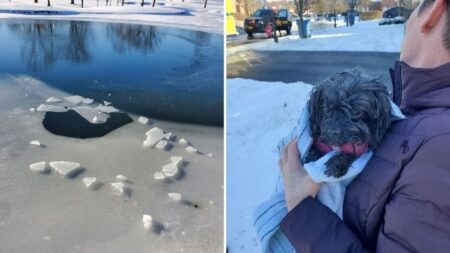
(189, 14)
(366, 36)
(52, 213)
(259, 114)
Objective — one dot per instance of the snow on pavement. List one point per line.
(364, 36)
(258, 115)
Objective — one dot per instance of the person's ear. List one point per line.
(434, 15)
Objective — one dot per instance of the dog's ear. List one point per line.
(381, 115)
(314, 110)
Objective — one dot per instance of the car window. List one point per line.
(283, 13)
(257, 13)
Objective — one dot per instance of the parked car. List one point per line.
(397, 12)
(262, 18)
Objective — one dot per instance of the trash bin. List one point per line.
(351, 18)
(305, 30)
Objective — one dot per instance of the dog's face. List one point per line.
(347, 109)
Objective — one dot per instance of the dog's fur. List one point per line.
(347, 108)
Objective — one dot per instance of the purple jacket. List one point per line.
(401, 200)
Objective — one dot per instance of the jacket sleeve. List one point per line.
(312, 227)
(416, 218)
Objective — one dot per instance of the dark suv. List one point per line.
(397, 11)
(258, 22)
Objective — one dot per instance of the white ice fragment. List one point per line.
(183, 141)
(65, 168)
(35, 142)
(147, 220)
(74, 99)
(106, 109)
(32, 109)
(51, 108)
(91, 114)
(53, 100)
(143, 120)
(168, 136)
(191, 149)
(121, 177)
(210, 155)
(153, 136)
(89, 181)
(170, 170)
(161, 144)
(176, 159)
(174, 196)
(88, 101)
(159, 175)
(106, 102)
(39, 167)
(118, 188)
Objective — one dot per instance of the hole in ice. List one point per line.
(72, 124)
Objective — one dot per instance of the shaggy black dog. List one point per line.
(349, 113)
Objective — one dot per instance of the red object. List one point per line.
(269, 30)
(347, 148)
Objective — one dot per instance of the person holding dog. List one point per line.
(400, 201)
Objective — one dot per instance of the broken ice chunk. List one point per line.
(153, 136)
(39, 167)
(118, 188)
(183, 141)
(210, 155)
(174, 196)
(32, 109)
(191, 149)
(161, 144)
(88, 101)
(91, 114)
(35, 142)
(53, 100)
(107, 109)
(159, 175)
(74, 99)
(89, 181)
(65, 168)
(176, 159)
(143, 120)
(147, 220)
(51, 108)
(170, 170)
(121, 177)
(168, 136)
(106, 102)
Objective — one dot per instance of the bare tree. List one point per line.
(206, 2)
(142, 3)
(48, 3)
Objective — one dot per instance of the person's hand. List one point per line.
(297, 183)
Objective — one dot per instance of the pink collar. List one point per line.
(347, 148)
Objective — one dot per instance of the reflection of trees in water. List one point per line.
(45, 42)
(77, 50)
(126, 36)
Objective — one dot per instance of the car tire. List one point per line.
(288, 30)
(250, 36)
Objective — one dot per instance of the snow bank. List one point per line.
(364, 36)
(258, 115)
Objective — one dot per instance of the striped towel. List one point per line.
(269, 214)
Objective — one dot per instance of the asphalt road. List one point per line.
(306, 66)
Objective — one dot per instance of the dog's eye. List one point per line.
(356, 113)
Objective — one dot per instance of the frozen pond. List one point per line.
(172, 77)
(161, 72)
